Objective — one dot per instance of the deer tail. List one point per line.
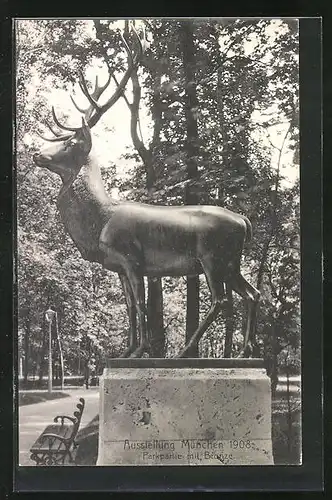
(248, 237)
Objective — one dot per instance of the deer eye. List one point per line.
(70, 144)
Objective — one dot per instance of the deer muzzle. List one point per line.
(41, 160)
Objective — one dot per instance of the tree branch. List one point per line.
(235, 41)
(267, 243)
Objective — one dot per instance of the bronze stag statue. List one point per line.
(137, 239)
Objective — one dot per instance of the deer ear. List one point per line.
(86, 135)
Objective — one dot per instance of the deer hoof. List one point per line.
(138, 353)
(183, 354)
(127, 352)
(246, 352)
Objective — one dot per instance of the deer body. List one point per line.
(172, 241)
(136, 239)
(165, 241)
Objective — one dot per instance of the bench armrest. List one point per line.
(63, 417)
(56, 436)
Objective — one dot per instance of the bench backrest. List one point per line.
(78, 415)
(75, 419)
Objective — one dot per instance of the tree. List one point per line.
(155, 320)
(246, 91)
(237, 165)
(192, 152)
(50, 269)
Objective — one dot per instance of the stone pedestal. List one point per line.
(185, 412)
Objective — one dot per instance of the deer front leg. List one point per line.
(131, 309)
(137, 285)
(120, 254)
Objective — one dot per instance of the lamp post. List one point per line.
(49, 315)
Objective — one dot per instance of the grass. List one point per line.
(30, 398)
(87, 440)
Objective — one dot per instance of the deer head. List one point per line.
(69, 151)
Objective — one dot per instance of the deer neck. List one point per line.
(85, 208)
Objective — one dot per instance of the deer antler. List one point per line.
(59, 124)
(97, 92)
(58, 136)
(95, 111)
(99, 110)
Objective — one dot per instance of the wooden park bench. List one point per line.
(56, 444)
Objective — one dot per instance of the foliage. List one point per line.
(31, 398)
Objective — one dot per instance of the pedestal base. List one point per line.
(184, 415)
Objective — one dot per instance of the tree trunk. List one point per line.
(86, 374)
(155, 318)
(43, 350)
(26, 347)
(155, 304)
(267, 243)
(192, 151)
(58, 341)
(86, 348)
(192, 312)
(229, 322)
(289, 414)
(271, 357)
(26, 357)
(42, 355)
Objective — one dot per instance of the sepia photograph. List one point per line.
(158, 242)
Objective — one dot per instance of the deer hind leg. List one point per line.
(251, 295)
(216, 287)
(131, 309)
